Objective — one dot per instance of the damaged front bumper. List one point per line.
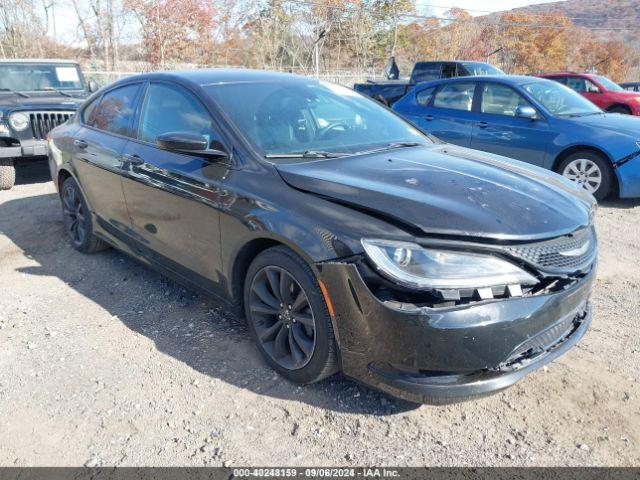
(444, 355)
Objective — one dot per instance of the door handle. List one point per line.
(80, 143)
(428, 118)
(482, 124)
(132, 159)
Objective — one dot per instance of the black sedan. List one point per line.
(348, 239)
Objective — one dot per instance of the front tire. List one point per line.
(77, 219)
(590, 170)
(288, 317)
(7, 174)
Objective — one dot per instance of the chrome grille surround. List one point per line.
(43, 121)
(567, 254)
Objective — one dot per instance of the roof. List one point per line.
(35, 60)
(211, 76)
(507, 79)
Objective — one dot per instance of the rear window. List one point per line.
(115, 111)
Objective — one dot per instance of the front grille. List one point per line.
(43, 122)
(565, 254)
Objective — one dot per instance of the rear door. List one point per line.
(174, 198)
(498, 130)
(449, 112)
(98, 145)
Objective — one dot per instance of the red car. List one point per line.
(605, 93)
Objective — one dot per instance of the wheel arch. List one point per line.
(618, 105)
(241, 259)
(578, 148)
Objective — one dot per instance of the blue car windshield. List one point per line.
(480, 68)
(39, 77)
(297, 117)
(608, 84)
(560, 100)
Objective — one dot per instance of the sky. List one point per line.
(67, 27)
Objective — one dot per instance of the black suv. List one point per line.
(35, 97)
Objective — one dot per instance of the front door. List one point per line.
(173, 198)
(498, 130)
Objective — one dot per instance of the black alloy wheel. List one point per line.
(77, 219)
(282, 317)
(74, 216)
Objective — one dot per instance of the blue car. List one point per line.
(535, 120)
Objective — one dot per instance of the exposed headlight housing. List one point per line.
(413, 266)
(18, 121)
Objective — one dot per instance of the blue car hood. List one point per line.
(444, 189)
(615, 122)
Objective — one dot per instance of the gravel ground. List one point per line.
(104, 362)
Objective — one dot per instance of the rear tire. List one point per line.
(590, 170)
(289, 318)
(7, 174)
(77, 219)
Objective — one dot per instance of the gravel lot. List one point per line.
(104, 362)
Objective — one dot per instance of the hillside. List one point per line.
(623, 15)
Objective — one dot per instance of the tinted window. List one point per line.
(115, 112)
(456, 96)
(501, 100)
(580, 84)
(89, 111)
(423, 72)
(423, 97)
(171, 109)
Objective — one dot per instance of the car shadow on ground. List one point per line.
(621, 203)
(32, 171)
(188, 327)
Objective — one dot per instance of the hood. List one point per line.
(49, 100)
(615, 122)
(449, 190)
(625, 94)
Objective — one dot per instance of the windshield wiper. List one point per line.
(61, 92)
(307, 154)
(22, 94)
(392, 146)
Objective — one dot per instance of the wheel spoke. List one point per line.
(274, 283)
(305, 344)
(285, 287)
(297, 355)
(262, 308)
(263, 293)
(280, 344)
(300, 302)
(306, 320)
(268, 334)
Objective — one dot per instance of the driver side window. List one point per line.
(170, 109)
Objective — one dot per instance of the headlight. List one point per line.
(413, 266)
(18, 121)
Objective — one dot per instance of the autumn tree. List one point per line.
(174, 30)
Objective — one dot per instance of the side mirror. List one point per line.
(188, 143)
(93, 86)
(526, 112)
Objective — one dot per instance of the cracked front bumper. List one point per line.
(450, 354)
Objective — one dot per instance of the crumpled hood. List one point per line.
(445, 189)
(615, 122)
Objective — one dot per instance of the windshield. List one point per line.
(39, 77)
(296, 117)
(560, 100)
(608, 84)
(479, 68)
